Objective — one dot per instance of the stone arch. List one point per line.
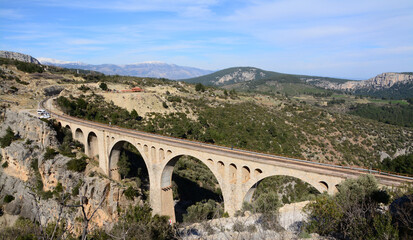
(114, 156)
(250, 189)
(246, 174)
(79, 136)
(145, 149)
(161, 154)
(324, 185)
(93, 144)
(153, 154)
(221, 168)
(167, 202)
(232, 173)
(257, 172)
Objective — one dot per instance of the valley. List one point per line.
(278, 117)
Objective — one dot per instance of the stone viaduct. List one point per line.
(238, 172)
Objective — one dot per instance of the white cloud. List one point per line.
(11, 14)
(177, 6)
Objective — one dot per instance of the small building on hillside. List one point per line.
(135, 89)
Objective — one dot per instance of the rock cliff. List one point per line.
(26, 181)
(19, 56)
(379, 82)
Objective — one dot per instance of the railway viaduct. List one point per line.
(238, 172)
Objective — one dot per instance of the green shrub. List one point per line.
(83, 88)
(174, 99)
(8, 198)
(46, 195)
(28, 67)
(35, 164)
(142, 225)
(28, 142)
(75, 190)
(5, 164)
(401, 164)
(203, 210)
(238, 227)
(353, 213)
(130, 193)
(77, 164)
(103, 86)
(50, 153)
(59, 188)
(8, 138)
(199, 87)
(21, 82)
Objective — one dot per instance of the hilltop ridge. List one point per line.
(390, 85)
(19, 56)
(144, 69)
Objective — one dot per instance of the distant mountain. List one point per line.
(388, 85)
(19, 56)
(255, 79)
(235, 75)
(145, 69)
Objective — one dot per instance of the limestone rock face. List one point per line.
(20, 179)
(381, 81)
(19, 56)
(29, 127)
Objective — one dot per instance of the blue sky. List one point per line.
(355, 39)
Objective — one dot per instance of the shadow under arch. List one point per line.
(296, 189)
(190, 191)
(92, 144)
(79, 136)
(136, 163)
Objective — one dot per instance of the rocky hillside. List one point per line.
(232, 75)
(235, 75)
(19, 57)
(36, 181)
(389, 85)
(380, 85)
(145, 69)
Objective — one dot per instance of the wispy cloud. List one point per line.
(183, 7)
(283, 35)
(11, 14)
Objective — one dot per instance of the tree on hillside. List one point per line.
(123, 165)
(353, 213)
(199, 87)
(6, 140)
(103, 86)
(134, 115)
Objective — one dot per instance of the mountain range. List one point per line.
(388, 85)
(145, 69)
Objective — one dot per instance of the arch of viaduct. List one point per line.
(237, 171)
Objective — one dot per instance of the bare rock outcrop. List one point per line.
(19, 56)
(29, 127)
(21, 179)
(381, 81)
